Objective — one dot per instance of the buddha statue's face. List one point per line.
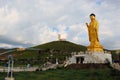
(92, 17)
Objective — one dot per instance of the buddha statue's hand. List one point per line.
(87, 25)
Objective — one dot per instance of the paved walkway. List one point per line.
(21, 69)
(18, 69)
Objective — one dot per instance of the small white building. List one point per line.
(84, 58)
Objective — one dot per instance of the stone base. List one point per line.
(9, 78)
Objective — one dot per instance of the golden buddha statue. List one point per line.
(93, 35)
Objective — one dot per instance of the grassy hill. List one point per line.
(55, 47)
(62, 45)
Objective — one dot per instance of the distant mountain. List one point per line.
(2, 50)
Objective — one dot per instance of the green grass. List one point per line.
(67, 74)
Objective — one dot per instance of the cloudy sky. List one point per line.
(25, 23)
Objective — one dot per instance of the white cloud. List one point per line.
(40, 21)
(8, 18)
(6, 45)
(62, 18)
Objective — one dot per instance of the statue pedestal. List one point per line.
(9, 78)
(94, 48)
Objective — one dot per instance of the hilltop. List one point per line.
(63, 46)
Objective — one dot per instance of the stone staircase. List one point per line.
(51, 66)
(67, 62)
(116, 66)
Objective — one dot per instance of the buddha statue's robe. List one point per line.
(93, 37)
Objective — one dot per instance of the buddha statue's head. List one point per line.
(92, 16)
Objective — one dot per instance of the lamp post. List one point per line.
(11, 63)
(10, 68)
